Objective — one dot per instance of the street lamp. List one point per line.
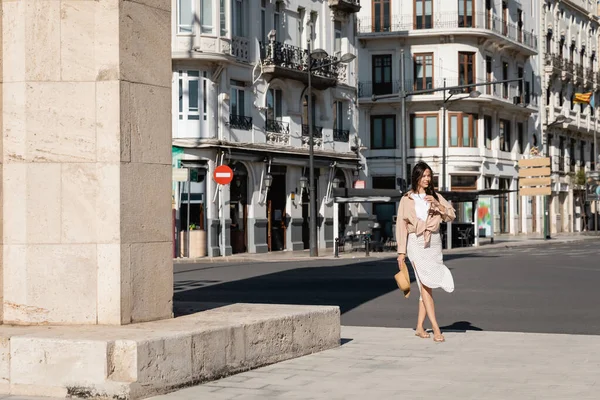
(317, 54)
(472, 95)
(561, 119)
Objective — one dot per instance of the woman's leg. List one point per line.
(421, 319)
(430, 309)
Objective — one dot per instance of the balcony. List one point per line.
(240, 122)
(278, 132)
(347, 6)
(317, 135)
(290, 62)
(368, 88)
(341, 135)
(240, 47)
(506, 34)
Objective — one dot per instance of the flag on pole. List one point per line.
(583, 98)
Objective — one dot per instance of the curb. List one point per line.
(374, 256)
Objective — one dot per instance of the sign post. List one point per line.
(535, 180)
(223, 175)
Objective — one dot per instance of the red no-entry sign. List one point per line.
(223, 175)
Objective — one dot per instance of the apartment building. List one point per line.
(240, 98)
(569, 58)
(486, 129)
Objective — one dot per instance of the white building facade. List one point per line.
(240, 98)
(569, 58)
(452, 43)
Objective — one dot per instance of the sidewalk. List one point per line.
(391, 363)
(485, 243)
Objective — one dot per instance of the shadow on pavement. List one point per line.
(460, 327)
(347, 286)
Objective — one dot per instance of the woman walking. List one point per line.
(419, 216)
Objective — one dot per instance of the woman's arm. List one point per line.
(445, 209)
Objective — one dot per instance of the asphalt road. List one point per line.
(554, 288)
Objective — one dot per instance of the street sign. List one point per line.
(534, 177)
(223, 175)
(180, 174)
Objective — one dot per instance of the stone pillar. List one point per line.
(86, 162)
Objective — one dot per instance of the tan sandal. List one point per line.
(422, 334)
(439, 338)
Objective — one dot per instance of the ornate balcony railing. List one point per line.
(240, 122)
(276, 126)
(479, 20)
(368, 88)
(341, 135)
(240, 47)
(317, 131)
(295, 58)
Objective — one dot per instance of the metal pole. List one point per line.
(546, 197)
(403, 118)
(187, 236)
(311, 164)
(444, 138)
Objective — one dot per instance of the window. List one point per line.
(237, 102)
(488, 128)
(423, 71)
(337, 39)
(185, 16)
(466, 69)
(520, 25)
(424, 130)
(222, 17)
(313, 111)
(338, 115)
(206, 20)
(521, 84)
(561, 154)
(573, 160)
(488, 74)
(383, 132)
(423, 14)
(263, 21)
(463, 130)
(240, 25)
(488, 14)
(592, 157)
(274, 102)
(582, 154)
(504, 18)
(192, 95)
(382, 74)
(521, 136)
(463, 182)
(465, 13)
(504, 134)
(504, 78)
(277, 22)
(381, 16)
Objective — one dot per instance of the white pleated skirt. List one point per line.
(428, 262)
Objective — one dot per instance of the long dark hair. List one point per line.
(417, 173)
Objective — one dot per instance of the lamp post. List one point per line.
(472, 94)
(317, 54)
(561, 119)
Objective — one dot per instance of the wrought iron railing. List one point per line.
(341, 135)
(277, 126)
(480, 20)
(368, 88)
(317, 131)
(295, 58)
(240, 122)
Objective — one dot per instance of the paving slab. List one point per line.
(391, 363)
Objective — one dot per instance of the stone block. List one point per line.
(61, 121)
(55, 362)
(13, 39)
(70, 270)
(107, 212)
(317, 330)
(78, 197)
(13, 122)
(42, 40)
(151, 274)
(147, 123)
(14, 196)
(146, 60)
(109, 300)
(108, 121)
(145, 206)
(269, 341)
(77, 37)
(165, 362)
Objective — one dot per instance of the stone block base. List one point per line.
(146, 359)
